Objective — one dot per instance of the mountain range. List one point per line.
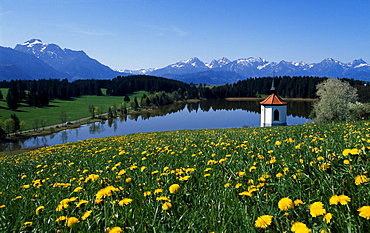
(225, 71)
(34, 59)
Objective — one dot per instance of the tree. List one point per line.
(63, 117)
(16, 122)
(110, 114)
(92, 110)
(2, 134)
(9, 126)
(1, 95)
(126, 99)
(12, 100)
(335, 100)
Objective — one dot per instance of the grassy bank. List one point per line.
(75, 109)
(235, 180)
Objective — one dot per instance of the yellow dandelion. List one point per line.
(285, 204)
(114, 230)
(158, 191)
(317, 209)
(263, 221)
(300, 227)
(364, 212)
(166, 206)
(252, 168)
(81, 202)
(26, 186)
(334, 200)
(184, 178)
(355, 151)
(39, 209)
(98, 200)
(238, 185)
(128, 180)
(279, 175)
(2, 206)
(162, 199)
(125, 201)
(360, 179)
(61, 218)
(240, 173)
(86, 215)
(245, 193)
(147, 193)
(343, 199)
(174, 188)
(107, 191)
(71, 221)
(298, 202)
(346, 152)
(78, 189)
(26, 224)
(327, 217)
(277, 143)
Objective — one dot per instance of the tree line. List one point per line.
(286, 87)
(39, 93)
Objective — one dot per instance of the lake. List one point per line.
(207, 114)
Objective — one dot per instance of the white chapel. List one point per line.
(273, 110)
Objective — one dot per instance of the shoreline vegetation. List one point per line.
(50, 129)
(73, 124)
(261, 98)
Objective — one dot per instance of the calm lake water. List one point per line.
(209, 114)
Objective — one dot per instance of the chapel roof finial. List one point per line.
(273, 84)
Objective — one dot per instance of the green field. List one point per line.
(305, 178)
(75, 109)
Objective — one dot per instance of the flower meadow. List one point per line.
(305, 178)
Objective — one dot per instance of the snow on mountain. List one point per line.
(192, 65)
(76, 64)
(259, 67)
(218, 63)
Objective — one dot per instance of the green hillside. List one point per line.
(281, 179)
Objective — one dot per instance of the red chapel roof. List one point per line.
(273, 100)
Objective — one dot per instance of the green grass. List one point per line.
(75, 109)
(213, 168)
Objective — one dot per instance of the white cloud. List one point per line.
(172, 29)
(5, 13)
(95, 33)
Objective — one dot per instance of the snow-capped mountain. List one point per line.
(191, 65)
(19, 65)
(218, 63)
(35, 59)
(77, 64)
(258, 67)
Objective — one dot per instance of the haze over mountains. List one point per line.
(35, 59)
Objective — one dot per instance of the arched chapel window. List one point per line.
(276, 115)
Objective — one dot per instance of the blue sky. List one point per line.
(133, 34)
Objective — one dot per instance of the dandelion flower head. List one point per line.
(263, 221)
(317, 209)
(285, 204)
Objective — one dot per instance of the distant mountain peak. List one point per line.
(75, 64)
(32, 42)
